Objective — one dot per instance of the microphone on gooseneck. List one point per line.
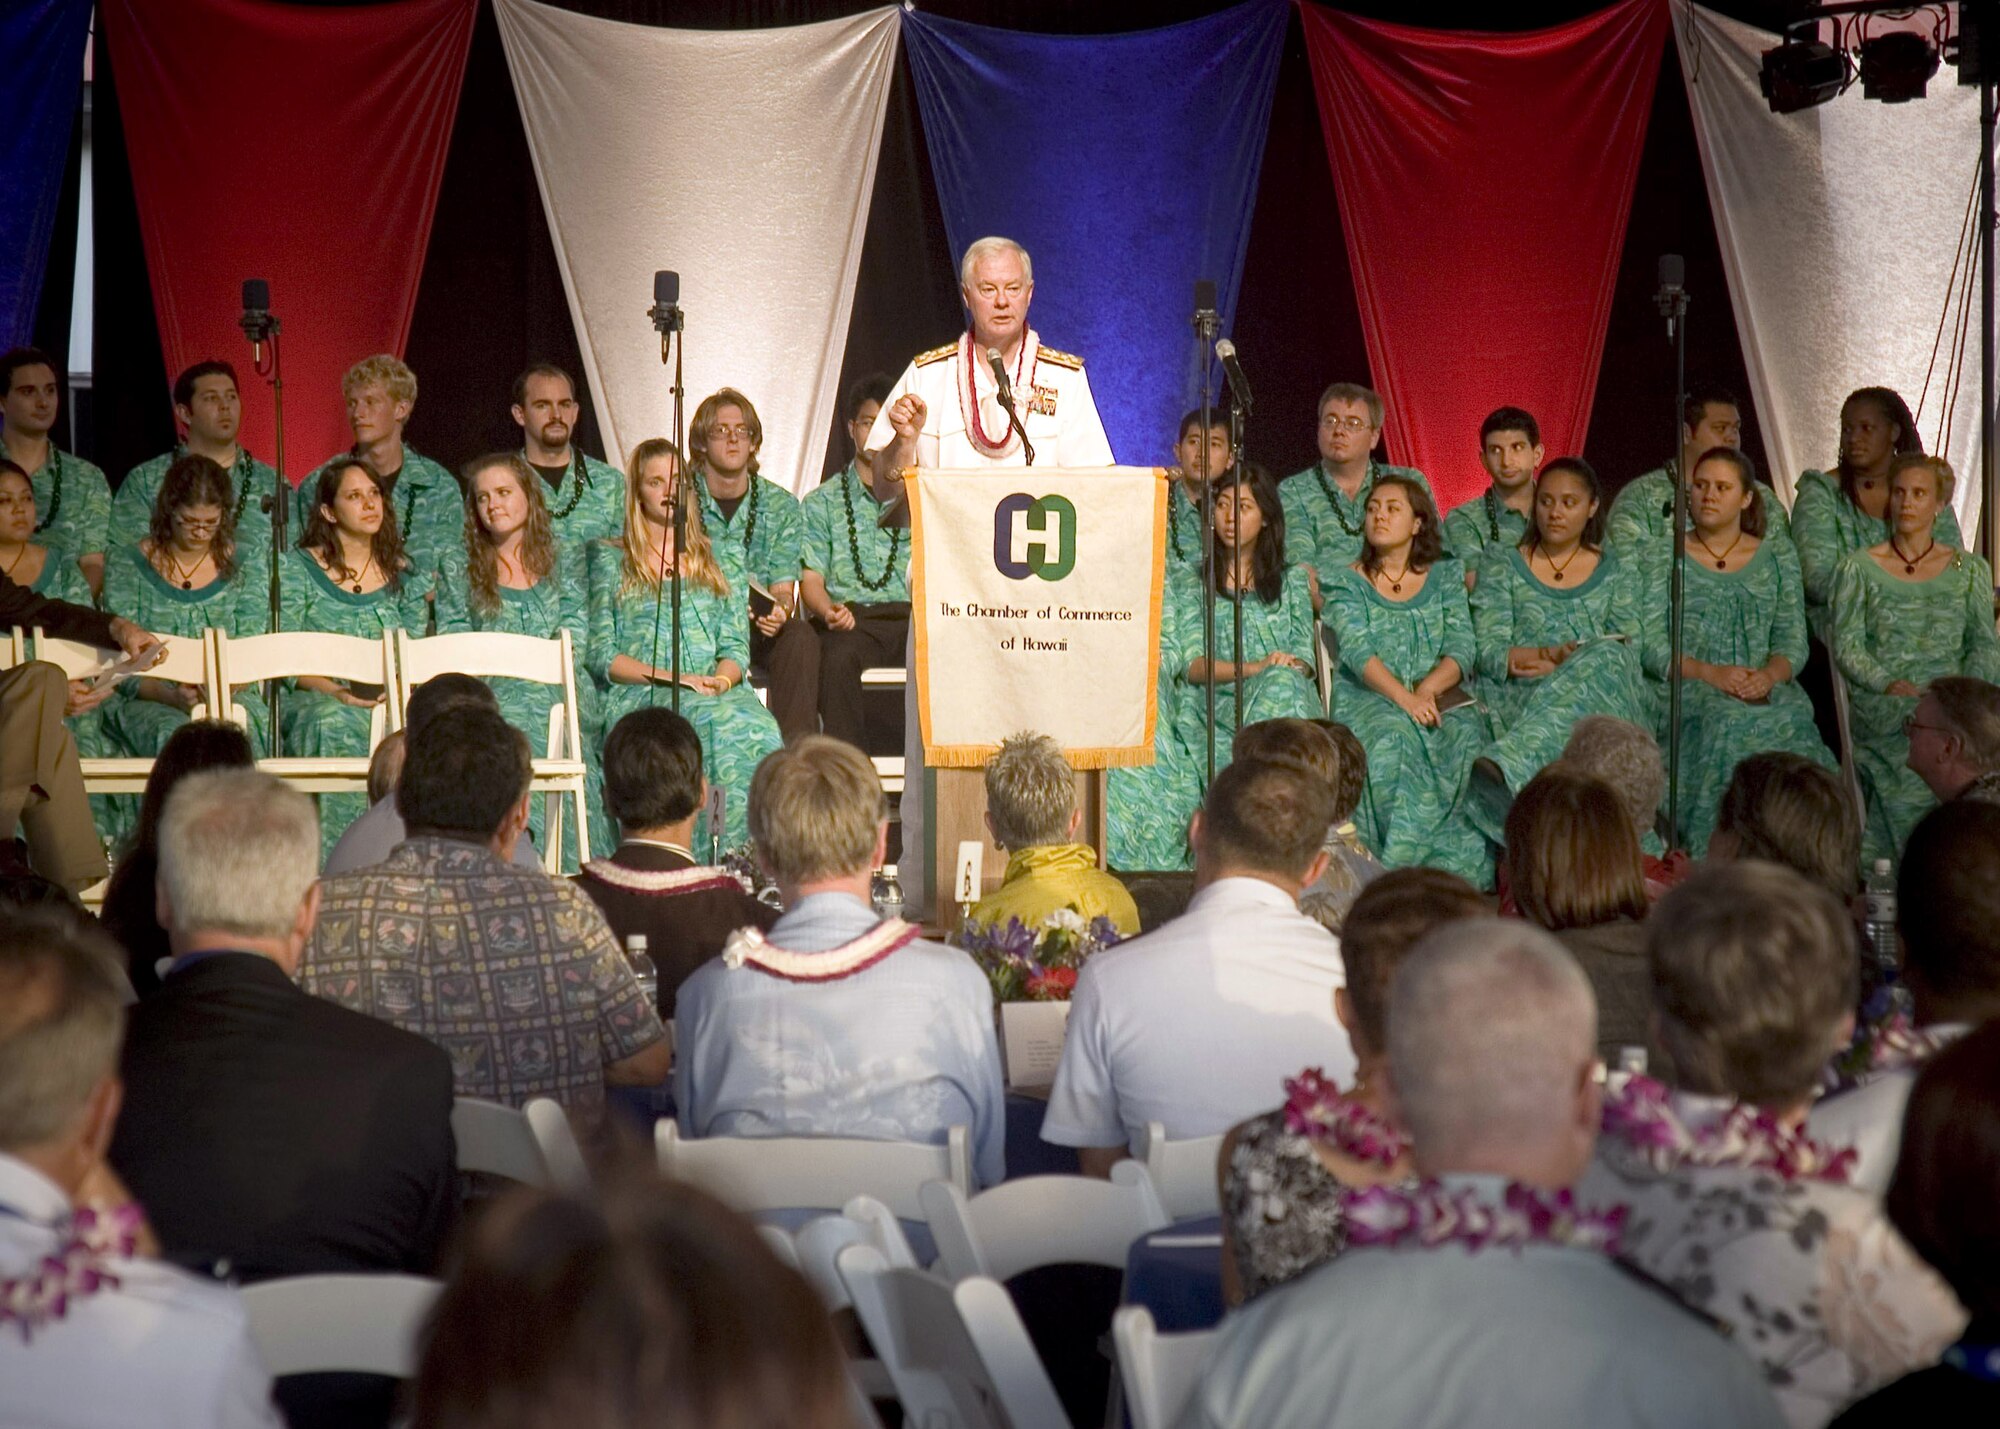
(1239, 385)
(1000, 375)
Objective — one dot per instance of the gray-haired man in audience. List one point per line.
(1492, 1039)
(1955, 739)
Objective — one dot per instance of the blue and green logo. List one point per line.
(1051, 556)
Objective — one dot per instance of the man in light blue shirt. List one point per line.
(836, 1022)
(1492, 1056)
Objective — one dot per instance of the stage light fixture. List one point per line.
(1799, 74)
(1897, 67)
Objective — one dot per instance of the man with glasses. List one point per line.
(1954, 735)
(755, 527)
(586, 497)
(1325, 503)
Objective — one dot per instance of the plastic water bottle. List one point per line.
(1879, 911)
(885, 892)
(643, 970)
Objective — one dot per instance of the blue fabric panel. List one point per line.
(43, 44)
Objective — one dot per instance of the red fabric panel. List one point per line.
(1484, 185)
(302, 144)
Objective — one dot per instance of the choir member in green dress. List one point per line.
(71, 494)
(1510, 448)
(1198, 456)
(43, 570)
(513, 575)
(1325, 504)
(1906, 611)
(348, 576)
(1403, 627)
(630, 658)
(1743, 641)
(585, 496)
(429, 508)
(185, 576)
(1643, 513)
(1847, 508)
(209, 410)
(1555, 618)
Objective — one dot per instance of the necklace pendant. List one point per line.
(1396, 588)
(187, 583)
(357, 587)
(1722, 563)
(1909, 570)
(1557, 574)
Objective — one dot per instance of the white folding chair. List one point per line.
(13, 650)
(1159, 1371)
(821, 1173)
(557, 770)
(1042, 1220)
(533, 1146)
(357, 1324)
(781, 1243)
(189, 661)
(888, 767)
(862, 1221)
(957, 1354)
(254, 659)
(1183, 1171)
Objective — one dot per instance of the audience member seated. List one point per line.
(1955, 739)
(651, 884)
(130, 912)
(1948, 926)
(1573, 867)
(1731, 1202)
(1332, 753)
(1941, 1199)
(512, 972)
(1483, 1294)
(1785, 809)
(1197, 1024)
(1627, 757)
(1284, 1174)
(372, 836)
(839, 1023)
(654, 1306)
(94, 1329)
(266, 1132)
(1032, 813)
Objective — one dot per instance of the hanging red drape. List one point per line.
(1484, 184)
(302, 144)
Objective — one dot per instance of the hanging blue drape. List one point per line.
(43, 42)
(1126, 165)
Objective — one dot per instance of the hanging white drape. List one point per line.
(741, 159)
(1838, 226)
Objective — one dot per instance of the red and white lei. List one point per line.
(73, 1270)
(749, 946)
(971, 363)
(1317, 1109)
(1429, 1214)
(1640, 1113)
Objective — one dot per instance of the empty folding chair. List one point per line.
(1159, 1371)
(1183, 1172)
(1022, 1225)
(360, 1324)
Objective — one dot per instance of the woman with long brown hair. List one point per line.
(631, 641)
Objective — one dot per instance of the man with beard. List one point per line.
(586, 497)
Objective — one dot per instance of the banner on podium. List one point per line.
(1036, 599)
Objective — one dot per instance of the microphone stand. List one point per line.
(1236, 416)
(1207, 322)
(1673, 305)
(672, 325)
(278, 507)
(1006, 396)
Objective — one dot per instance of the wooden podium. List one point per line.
(958, 814)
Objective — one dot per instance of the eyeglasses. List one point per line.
(1331, 423)
(729, 434)
(1911, 726)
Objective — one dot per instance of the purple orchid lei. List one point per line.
(1641, 1115)
(1317, 1109)
(1428, 1215)
(73, 1270)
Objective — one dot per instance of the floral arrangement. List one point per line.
(1428, 1214)
(1039, 963)
(1640, 1114)
(79, 1267)
(1317, 1109)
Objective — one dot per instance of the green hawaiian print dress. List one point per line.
(1184, 542)
(238, 606)
(1642, 516)
(1413, 805)
(1279, 692)
(736, 731)
(1481, 527)
(1740, 617)
(1323, 523)
(430, 515)
(249, 479)
(317, 725)
(1885, 629)
(588, 504)
(558, 602)
(1532, 718)
(1147, 805)
(1826, 526)
(115, 815)
(72, 506)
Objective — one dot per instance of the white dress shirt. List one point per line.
(1197, 1024)
(1052, 396)
(160, 1348)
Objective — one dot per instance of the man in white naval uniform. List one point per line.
(944, 413)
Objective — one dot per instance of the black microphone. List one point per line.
(1672, 298)
(1000, 376)
(1204, 301)
(257, 322)
(1239, 385)
(666, 310)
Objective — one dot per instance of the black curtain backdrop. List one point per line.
(491, 298)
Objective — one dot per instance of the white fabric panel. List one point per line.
(741, 159)
(1838, 227)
